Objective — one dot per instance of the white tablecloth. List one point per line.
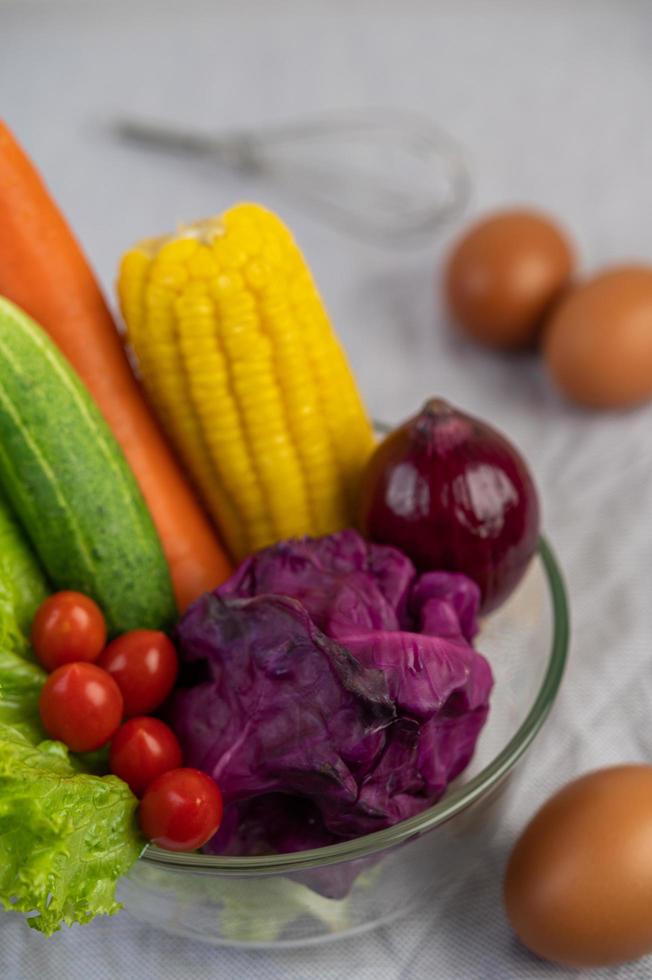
(552, 102)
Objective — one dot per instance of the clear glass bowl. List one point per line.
(279, 900)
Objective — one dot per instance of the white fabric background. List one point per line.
(552, 102)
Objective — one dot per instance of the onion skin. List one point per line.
(454, 495)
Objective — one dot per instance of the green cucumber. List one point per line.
(70, 485)
(22, 583)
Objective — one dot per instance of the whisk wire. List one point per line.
(344, 164)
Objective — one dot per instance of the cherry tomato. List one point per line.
(68, 627)
(143, 663)
(143, 749)
(181, 810)
(80, 705)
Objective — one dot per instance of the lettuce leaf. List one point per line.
(20, 685)
(11, 635)
(22, 584)
(65, 837)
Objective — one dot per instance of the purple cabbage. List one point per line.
(340, 580)
(286, 708)
(330, 691)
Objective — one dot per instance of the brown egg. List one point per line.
(504, 274)
(598, 341)
(578, 887)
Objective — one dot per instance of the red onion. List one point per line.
(455, 495)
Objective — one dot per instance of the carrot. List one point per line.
(44, 271)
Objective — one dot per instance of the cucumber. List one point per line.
(70, 485)
(22, 584)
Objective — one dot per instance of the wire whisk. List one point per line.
(384, 175)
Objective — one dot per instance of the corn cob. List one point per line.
(241, 364)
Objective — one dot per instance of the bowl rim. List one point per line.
(448, 807)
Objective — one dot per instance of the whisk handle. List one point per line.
(238, 150)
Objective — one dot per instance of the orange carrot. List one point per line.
(43, 270)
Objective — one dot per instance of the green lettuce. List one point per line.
(65, 837)
(20, 686)
(22, 584)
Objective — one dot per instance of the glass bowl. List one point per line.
(314, 896)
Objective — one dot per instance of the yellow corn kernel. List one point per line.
(241, 364)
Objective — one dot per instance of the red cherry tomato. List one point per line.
(181, 809)
(81, 706)
(68, 627)
(143, 749)
(143, 663)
